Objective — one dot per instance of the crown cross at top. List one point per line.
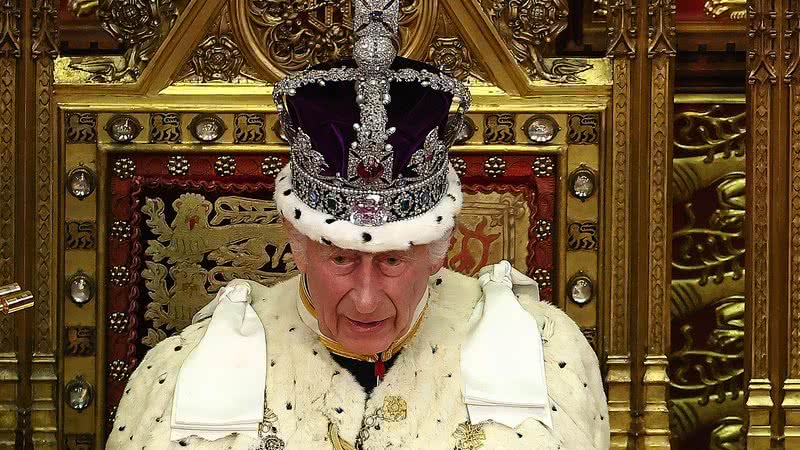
(371, 157)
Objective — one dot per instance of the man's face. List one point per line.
(365, 301)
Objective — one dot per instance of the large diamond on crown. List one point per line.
(369, 210)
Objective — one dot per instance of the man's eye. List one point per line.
(393, 261)
(340, 260)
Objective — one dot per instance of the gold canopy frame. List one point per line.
(215, 58)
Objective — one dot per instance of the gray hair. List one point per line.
(437, 250)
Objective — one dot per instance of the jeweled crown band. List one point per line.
(369, 207)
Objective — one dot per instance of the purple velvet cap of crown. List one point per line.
(327, 114)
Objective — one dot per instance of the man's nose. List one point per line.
(366, 293)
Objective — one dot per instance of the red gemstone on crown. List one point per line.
(369, 169)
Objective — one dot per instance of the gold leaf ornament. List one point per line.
(395, 408)
(469, 436)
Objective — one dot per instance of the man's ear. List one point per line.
(437, 266)
(298, 243)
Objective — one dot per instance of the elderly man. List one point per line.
(374, 346)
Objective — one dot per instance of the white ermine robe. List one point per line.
(309, 392)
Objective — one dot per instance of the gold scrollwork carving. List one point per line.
(528, 27)
(44, 29)
(243, 239)
(733, 9)
(710, 131)
(661, 31)
(218, 57)
(417, 21)
(707, 292)
(10, 29)
(728, 434)
(717, 248)
(713, 367)
(715, 414)
(621, 28)
(296, 35)
(288, 36)
(140, 25)
(762, 36)
(82, 8)
(691, 296)
(450, 54)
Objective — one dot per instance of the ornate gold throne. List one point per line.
(151, 167)
(169, 178)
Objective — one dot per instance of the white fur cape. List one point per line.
(309, 392)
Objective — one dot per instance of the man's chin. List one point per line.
(366, 338)
(364, 345)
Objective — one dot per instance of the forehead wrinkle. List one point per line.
(330, 250)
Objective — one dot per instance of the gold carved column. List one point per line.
(28, 218)
(768, 225)
(622, 51)
(10, 52)
(657, 221)
(45, 229)
(791, 401)
(641, 46)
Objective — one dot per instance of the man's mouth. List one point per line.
(366, 327)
